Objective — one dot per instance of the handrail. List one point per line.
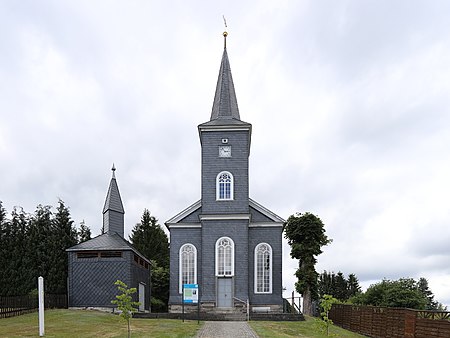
(247, 306)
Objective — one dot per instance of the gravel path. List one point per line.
(226, 330)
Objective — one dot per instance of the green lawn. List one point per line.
(80, 323)
(308, 328)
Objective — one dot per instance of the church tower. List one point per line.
(226, 243)
(113, 212)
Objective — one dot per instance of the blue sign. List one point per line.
(190, 293)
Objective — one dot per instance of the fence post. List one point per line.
(293, 302)
(410, 323)
(41, 305)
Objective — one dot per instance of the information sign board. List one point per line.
(190, 293)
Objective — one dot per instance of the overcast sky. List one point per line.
(349, 102)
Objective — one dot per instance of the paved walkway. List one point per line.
(226, 330)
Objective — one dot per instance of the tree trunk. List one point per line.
(307, 303)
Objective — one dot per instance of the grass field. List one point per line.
(308, 328)
(80, 323)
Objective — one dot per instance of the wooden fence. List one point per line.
(377, 322)
(11, 306)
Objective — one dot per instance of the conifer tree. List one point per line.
(64, 236)
(5, 246)
(84, 233)
(341, 287)
(39, 239)
(21, 278)
(150, 239)
(353, 287)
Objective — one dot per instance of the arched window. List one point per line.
(224, 186)
(188, 265)
(263, 268)
(225, 257)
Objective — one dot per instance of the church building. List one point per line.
(227, 243)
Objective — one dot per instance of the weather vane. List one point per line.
(225, 33)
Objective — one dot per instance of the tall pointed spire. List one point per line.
(225, 103)
(113, 211)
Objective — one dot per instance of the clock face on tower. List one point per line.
(224, 151)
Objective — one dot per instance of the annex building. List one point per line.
(95, 265)
(227, 243)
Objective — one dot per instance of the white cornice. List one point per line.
(183, 225)
(224, 217)
(223, 128)
(265, 225)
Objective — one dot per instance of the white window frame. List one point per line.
(180, 262)
(231, 274)
(218, 186)
(270, 269)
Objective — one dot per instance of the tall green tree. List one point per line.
(326, 284)
(6, 245)
(84, 233)
(341, 287)
(39, 243)
(64, 236)
(306, 236)
(150, 239)
(432, 304)
(21, 276)
(353, 287)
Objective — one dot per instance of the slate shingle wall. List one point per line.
(140, 275)
(237, 165)
(179, 237)
(113, 221)
(236, 230)
(92, 280)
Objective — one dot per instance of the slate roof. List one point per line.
(197, 205)
(106, 241)
(225, 110)
(113, 201)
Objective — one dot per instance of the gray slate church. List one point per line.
(226, 242)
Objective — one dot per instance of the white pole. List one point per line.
(41, 305)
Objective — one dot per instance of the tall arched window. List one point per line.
(188, 265)
(225, 257)
(224, 186)
(263, 268)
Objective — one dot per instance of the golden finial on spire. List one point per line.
(225, 33)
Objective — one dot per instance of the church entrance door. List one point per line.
(224, 292)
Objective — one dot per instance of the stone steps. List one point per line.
(224, 316)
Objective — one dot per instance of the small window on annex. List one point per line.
(225, 257)
(224, 186)
(263, 268)
(188, 265)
